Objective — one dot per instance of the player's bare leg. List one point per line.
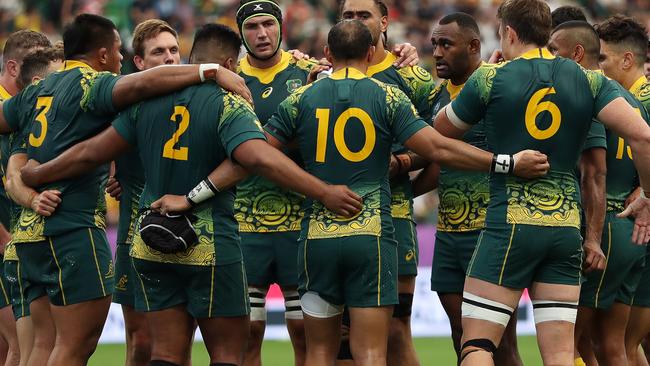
(25, 334)
(295, 324)
(171, 329)
(253, 354)
(582, 337)
(506, 354)
(78, 328)
(401, 350)
(8, 332)
(225, 338)
(609, 335)
(486, 330)
(369, 328)
(323, 336)
(138, 337)
(555, 337)
(638, 327)
(43, 330)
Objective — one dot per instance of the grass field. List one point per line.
(432, 351)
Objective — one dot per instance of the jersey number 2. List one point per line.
(169, 151)
(43, 103)
(535, 107)
(323, 117)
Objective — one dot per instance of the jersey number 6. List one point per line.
(535, 107)
(323, 117)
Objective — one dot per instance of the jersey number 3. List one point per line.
(43, 103)
(323, 117)
(535, 107)
(169, 151)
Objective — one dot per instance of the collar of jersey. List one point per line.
(383, 65)
(266, 76)
(638, 84)
(347, 73)
(453, 90)
(537, 53)
(73, 64)
(4, 94)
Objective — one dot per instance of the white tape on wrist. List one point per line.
(208, 71)
(202, 192)
(503, 164)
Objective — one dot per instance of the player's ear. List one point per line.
(627, 60)
(384, 25)
(475, 46)
(578, 53)
(102, 55)
(138, 62)
(230, 64)
(12, 68)
(511, 35)
(371, 52)
(36, 78)
(328, 54)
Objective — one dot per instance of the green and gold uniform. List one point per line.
(461, 213)
(641, 90)
(269, 216)
(344, 127)
(6, 207)
(418, 85)
(65, 256)
(130, 173)
(624, 259)
(539, 102)
(204, 125)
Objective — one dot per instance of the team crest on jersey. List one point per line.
(267, 92)
(293, 85)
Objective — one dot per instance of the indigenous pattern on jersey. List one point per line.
(463, 194)
(261, 205)
(641, 91)
(418, 85)
(6, 205)
(204, 124)
(69, 106)
(622, 177)
(356, 120)
(130, 173)
(550, 112)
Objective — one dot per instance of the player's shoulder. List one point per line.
(302, 64)
(415, 74)
(439, 90)
(643, 94)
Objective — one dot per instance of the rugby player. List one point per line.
(623, 49)
(463, 195)
(605, 297)
(417, 84)
(352, 261)
(62, 247)
(17, 46)
(532, 236)
(269, 216)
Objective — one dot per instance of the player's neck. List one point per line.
(462, 79)
(631, 77)
(380, 53)
(265, 64)
(355, 64)
(519, 49)
(7, 82)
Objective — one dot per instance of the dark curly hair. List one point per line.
(625, 32)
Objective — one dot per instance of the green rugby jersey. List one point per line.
(622, 178)
(463, 195)
(418, 85)
(181, 138)
(130, 173)
(67, 107)
(344, 127)
(260, 205)
(541, 102)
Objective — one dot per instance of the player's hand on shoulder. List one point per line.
(407, 55)
(640, 210)
(497, 57)
(171, 203)
(113, 188)
(46, 202)
(29, 173)
(342, 201)
(530, 164)
(317, 69)
(234, 83)
(298, 55)
(594, 257)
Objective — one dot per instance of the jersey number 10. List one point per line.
(323, 117)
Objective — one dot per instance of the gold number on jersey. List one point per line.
(535, 107)
(621, 144)
(169, 151)
(323, 117)
(45, 103)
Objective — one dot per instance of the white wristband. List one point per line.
(503, 164)
(202, 192)
(208, 71)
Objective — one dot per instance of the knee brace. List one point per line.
(292, 309)
(477, 307)
(404, 307)
(317, 307)
(483, 345)
(257, 298)
(161, 363)
(559, 311)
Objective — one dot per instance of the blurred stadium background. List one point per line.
(305, 28)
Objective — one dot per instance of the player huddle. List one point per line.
(271, 176)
